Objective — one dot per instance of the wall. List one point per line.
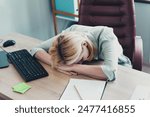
(143, 27)
(29, 17)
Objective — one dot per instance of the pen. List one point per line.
(78, 92)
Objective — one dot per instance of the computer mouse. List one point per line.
(9, 43)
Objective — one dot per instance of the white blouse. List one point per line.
(106, 43)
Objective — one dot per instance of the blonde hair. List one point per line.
(67, 47)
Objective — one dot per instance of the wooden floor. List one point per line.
(146, 68)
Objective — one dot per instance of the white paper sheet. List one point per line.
(83, 89)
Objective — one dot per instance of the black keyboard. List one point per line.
(27, 66)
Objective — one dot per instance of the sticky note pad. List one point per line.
(21, 87)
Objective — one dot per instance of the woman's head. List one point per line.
(71, 47)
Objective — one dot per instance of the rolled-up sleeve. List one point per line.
(43, 46)
(48, 43)
(34, 50)
(109, 66)
(111, 50)
(110, 73)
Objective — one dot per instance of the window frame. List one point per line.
(143, 1)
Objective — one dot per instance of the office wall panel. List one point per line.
(30, 17)
(143, 27)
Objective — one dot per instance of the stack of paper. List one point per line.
(84, 89)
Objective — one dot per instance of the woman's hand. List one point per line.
(66, 69)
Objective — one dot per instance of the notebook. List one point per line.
(81, 89)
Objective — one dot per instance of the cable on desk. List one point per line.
(1, 40)
(4, 49)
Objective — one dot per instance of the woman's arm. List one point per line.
(45, 45)
(43, 56)
(93, 71)
(41, 50)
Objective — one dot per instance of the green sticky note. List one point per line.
(21, 87)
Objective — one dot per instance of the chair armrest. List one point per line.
(137, 59)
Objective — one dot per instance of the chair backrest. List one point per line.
(118, 14)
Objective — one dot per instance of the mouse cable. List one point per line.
(4, 49)
(1, 40)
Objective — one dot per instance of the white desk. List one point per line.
(125, 84)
